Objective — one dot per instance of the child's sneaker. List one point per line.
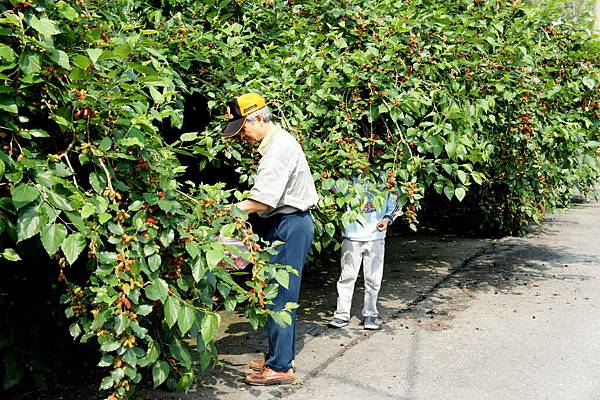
(338, 323)
(371, 323)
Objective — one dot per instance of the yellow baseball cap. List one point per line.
(238, 108)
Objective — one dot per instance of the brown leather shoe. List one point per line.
(267, 376)
(259, 363)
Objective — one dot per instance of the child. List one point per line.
(364, 242)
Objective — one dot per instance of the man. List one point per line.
(283, 191)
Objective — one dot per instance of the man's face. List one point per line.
(253, 131)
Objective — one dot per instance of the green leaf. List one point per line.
(52, 237)
(23, 195)
(2, 169)
(30, 222)
(59, 201)
(149, 249)
(94, 54)
(224, 289)
(447, 168)
(450, 149)
(154, 262)
(75, 330)
(117, 229)
(104, 218)
(330, 229)
(87, 210)
(227, 229)
(342, 185)
(136, 205)
(160, 372)
(449, 192)
(209, 325)
(328, 184)
(156, 95)
(186, 319)
(66, 11)
(172, 308)
(144, 310)
(117, 374)
(462, 175)
(206, 357)
(7, 104)
(10, 255)
(282, 277)
(13, 370)
(6, 53)
(98, 182)
(281, 318)
(198, 269)
(106, 360)
(185, 382)
(106, 257)
(82, 61)
(460, 193)
(189, 136)
(589, 82)
(167, 237)
(132, 141)
(340, 43)
(44, 26)
(121, 324)
(157, 290)
(193, 249)
(38, 133)
(60, 57)
(107, 383)
(509, 96)
(151, 355)
(60, 120)
(72, 247)
(213, 257)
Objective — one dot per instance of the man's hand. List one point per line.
(251, 206)
(383, 224)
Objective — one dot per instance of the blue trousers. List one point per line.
(296, 231)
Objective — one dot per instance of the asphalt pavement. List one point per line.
(519, 322)
(464, 318)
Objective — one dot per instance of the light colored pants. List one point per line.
(370, 254)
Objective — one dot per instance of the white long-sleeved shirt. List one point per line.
(365, 227)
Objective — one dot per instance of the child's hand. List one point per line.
(382, 225)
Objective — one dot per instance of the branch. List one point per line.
(398, 127)
(397, 145)
(187, 195)
(70, 147)
(65, 155)
(73, 171)
(108, 181)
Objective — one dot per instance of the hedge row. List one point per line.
(491, 101)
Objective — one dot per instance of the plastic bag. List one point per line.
(240, 262)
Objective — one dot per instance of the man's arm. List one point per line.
(250, 206)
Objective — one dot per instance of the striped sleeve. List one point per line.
(392, 210)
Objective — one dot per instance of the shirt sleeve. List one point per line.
(392, 209)
(270, 182)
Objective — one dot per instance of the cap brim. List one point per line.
(233, 127)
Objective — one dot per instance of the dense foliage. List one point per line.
(490, 100)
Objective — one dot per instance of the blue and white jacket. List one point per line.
(365, 227)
